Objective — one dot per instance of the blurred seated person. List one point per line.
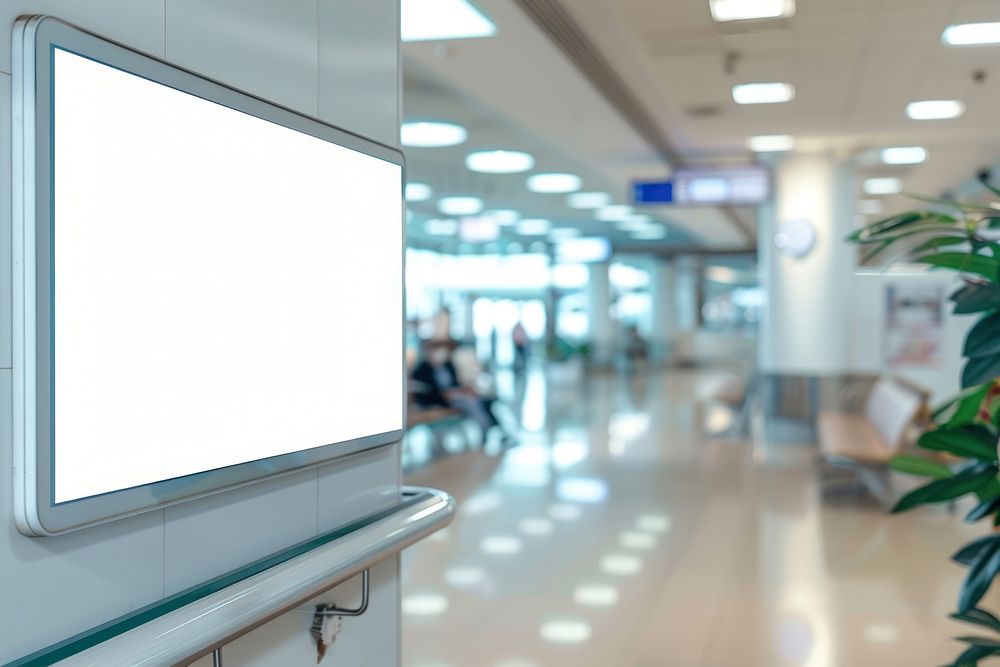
(635, 348)
(436, 384)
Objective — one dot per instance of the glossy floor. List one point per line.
(622, 532)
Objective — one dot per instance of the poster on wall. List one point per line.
(914, 325)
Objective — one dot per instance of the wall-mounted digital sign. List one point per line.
(208, 287)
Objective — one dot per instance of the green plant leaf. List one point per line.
(985, 642)
(971, 441)
(979, 370)
(874, 252)
(982, 569)
(970, 552)
(968, 406)
(924, 227)
(917, 465)
(976, 297)
(971, 656)
(940, 242)
(984, 337)
(979, 616)
(964, 262)
(949, 403)
(968, 207)
(892, 223)
(989, 186)
(983, 509)
(943, 489)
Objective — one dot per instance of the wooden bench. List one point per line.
(431, 417)
(439, 420)
(864, 442)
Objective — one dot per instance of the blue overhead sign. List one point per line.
(724, 186)
(653, 192)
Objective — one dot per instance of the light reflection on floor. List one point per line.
(627, 530)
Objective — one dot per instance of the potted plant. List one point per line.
(963, 237)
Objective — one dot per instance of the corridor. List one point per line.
(629, 529)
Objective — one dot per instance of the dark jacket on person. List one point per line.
(427, 389)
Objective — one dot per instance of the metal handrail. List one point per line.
(196, 622)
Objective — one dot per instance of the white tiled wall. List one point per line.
(335, 59)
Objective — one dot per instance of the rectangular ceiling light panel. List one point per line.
(432, 20)
(971, 34)
(763, 93)
(748, 10)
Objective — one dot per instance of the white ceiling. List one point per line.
(855, 65)
(444, 168)
(517, 90)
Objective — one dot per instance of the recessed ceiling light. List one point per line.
(882, 186)
(971, 34)
(771, 143)
(566, 511)
(743, 10)
(595, 595)
(439, 227)
(633, 539)
(533, 227)
(422, 20)
(554, 183)
(903, 155)
(499, 162)
(478, 229)
(418, 192)
(871, 206)
(651, 233)
(504, 216)
(613, 213)
(460, 205)
(585, 200)
(763, 93)
(654, 523)
(634, 222)
(560, 233)
(935, 109)
(620, 564)
(565, 632)
(431, 134)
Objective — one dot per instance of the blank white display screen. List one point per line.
(225, 289)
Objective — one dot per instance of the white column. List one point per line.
(602, 331)
(806, 322)
(468, 326)
(663, 302)
(687, 279)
